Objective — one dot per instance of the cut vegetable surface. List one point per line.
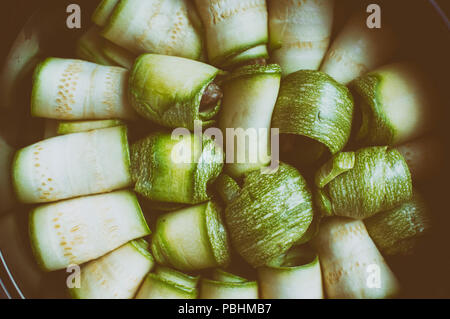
(270, 213)
(193, 238)
(82, 229)
(250, 94)
(116, 275)
(300, 32)
(72, 165)
(68, 127)
(160, 286)
(68, 89)
(169, 90)
(225, 285)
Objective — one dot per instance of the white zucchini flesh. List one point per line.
(212, 289)
(156, 287)
(103, 12)
(78, 230)
(357, 50)
(116, 275)
(72, 165)
(301, 282)
(352, 266)
(300, 33)
(7, 199)
(154, 26)
(68, 127)
(67, 89)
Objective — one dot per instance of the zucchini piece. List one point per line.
(394, 103)
(300, 33)
(250, 94)
(78, 230)
(156, 287)
(397, 231)
(103, 12)
(214, 289)
(72, 165)
(314, 106)
(352, 266)
(67, 127)
(358, 49)
(66, 89)
(7, 200)
(256, 53)
(270, 213)
(116, 275)
(233, 27)
(224, 276)
(175, 169)
(168, 90)
(227, 188)
(177, 277)
(154, 26)
(118, 55)
(89, 48)
(340, 163)
(297, 276)
(192, 238)
(379, 180)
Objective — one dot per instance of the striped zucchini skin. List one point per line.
(72, 165)
(233, 27)
(78, 230)
(67, 89)
(116, 275)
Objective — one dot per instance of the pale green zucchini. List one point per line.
(296, 275)
(154, 26)
(222, 275)
(117, 275)
(66, 89)
(226, 289)
(300, 33)
(233, 29)
(247, 57)
(67, 127)
(352, 266)
(192, 238)
(394, 105)
(378, 180)
(250, 94)
(398, 230)
(103, 12)
(313, 107)
(7, 200)
(270, 213)
(168, 90)
(159, 287)
(72, 165)
(175, 169)
(118, 55)
(89, 48)
(358, 49)
(177, 277)
(78, 230)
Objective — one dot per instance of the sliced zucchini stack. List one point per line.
(224, 285)
(78, 230)
(236, 30)
(363, 183)
(151, 26)
(175, 169)
(6, 193)
(269, 214)
(170, 90)
(117, 275)
(192, 238)
(313, 112)
(300, 33)
(250, 93)
(166, 283)
(72, 165)
(398, 230)
(352, 266)
(294, 275)
(67, 89)
(358, 49)
(67, 127)
(104, 11)
(394, 105)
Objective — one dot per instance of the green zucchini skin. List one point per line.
(68, 127)
(192, 238)
(233, 28)
(214, 289)
(103, 12)
(168, 90)
(270, 213)
(158, 287)
(397, 231)
(379, 180)
(117, 275)
(394, 103)
(160, 176)
(78, 230)
(313, 105)
(177, 277)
